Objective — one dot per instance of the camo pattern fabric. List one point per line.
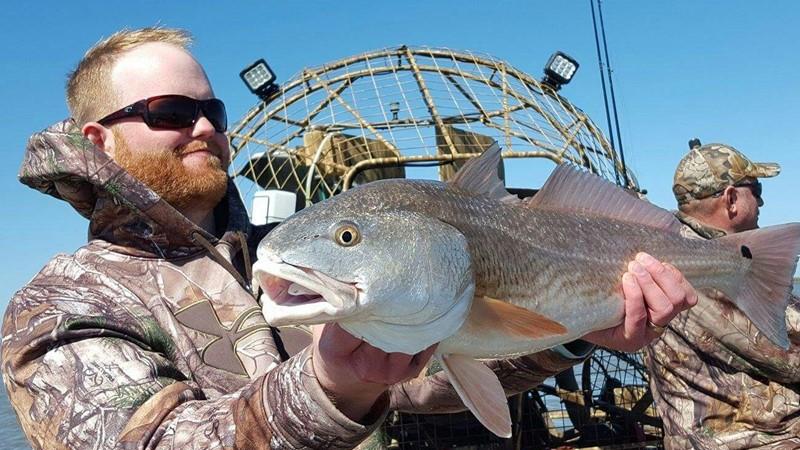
(718, 383)
(141, 339)
(711, 168)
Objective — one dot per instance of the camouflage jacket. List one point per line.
(148, 336)
(720, 384)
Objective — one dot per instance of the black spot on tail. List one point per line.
(746, 252)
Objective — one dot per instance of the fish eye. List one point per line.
(347, 235)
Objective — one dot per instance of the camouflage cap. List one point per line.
(710, 168)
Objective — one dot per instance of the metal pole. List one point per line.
(313, 165)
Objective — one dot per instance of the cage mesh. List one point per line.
(603, 403)
(382, 114)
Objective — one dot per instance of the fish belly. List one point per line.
(476, 339)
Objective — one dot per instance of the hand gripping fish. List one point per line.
(404, 264)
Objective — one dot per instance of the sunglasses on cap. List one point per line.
(755, 188)
(173, 112)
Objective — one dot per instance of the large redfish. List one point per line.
(404, 264)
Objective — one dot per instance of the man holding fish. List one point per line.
(151, 336)
(718, 381)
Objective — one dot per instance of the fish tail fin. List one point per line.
(480, 390)
(765, 290)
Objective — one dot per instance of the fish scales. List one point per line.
(544, 260)
(511, 244)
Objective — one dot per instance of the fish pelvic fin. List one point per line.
(569, 189)
(767, 286)
(497, 314)
(479, 175)
(480, 390)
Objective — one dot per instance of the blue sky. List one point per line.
(720, 71)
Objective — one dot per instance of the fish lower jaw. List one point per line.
(284, 292)
(299, 314)
(284, 308)
(291, 301)
(295, 295)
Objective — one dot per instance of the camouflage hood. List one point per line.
(121, 210)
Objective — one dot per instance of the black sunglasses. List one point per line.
(173, 112)
(755, 188)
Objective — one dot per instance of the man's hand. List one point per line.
(354, 373)
(654, 293)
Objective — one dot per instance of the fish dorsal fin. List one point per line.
(500, 315)
(479, 175)
(480, 390)
(569, 189)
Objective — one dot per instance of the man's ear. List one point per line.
(100, 136)
(731, 196)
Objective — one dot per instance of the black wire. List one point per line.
(429, 164)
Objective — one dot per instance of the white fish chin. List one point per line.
(297, 295)
(412, 338)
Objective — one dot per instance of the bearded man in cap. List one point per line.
(717, 382)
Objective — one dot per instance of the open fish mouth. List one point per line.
(299, 295)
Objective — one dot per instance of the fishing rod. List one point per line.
(608, 72)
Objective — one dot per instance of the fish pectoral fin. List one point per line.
(480, 390)
(497, 314)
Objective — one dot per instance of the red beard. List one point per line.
(163, 171)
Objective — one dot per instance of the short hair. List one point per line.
(699, 207)
(89, 90)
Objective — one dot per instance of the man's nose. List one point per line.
(203, 129)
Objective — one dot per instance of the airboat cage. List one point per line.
(420, 113)
(373, 115)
